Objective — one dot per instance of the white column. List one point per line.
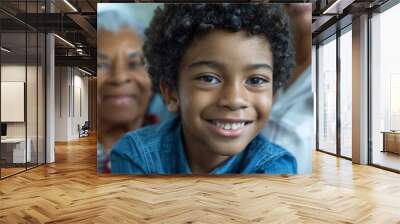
(50, 94)
(360, 90)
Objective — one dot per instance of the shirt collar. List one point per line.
(232, 165)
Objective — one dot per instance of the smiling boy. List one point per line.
(217, 66)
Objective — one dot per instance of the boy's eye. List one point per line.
(209, 79)
(257, 81)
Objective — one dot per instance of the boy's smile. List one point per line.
(224, 93)
(228, 127)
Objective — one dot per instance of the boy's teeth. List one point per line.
(229, 126)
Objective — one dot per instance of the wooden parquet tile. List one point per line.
(69, 191)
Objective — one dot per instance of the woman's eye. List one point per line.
(137, 63)
(257, 81)
(209, 79)
(102, 65)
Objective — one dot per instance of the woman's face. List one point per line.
(124, 86)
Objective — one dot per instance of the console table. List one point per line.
(391, 141)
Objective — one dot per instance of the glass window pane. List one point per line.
(31, 97)
(14, 152)
(327, 96)
(23, 86)
(346, 94)
(386, 89)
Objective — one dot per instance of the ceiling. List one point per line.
(75, 21)
(72, 20)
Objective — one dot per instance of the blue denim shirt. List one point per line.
(158, 149)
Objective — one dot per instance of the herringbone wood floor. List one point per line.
(70, 191)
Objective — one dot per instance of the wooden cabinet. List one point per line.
(391, 142)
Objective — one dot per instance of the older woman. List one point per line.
(125, 99)
(291, 120)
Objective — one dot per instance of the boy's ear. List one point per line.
(170, 97)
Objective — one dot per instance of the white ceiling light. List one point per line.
(70, 5)
(86, 72)
(64, 40)
(5, 50)
(337, 7)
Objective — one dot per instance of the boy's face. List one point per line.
(224, 91)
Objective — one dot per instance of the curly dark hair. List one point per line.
(173, 27)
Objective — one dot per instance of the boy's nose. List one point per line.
(233, 97)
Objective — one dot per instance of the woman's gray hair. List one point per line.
(115, 19)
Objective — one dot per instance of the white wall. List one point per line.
(71, 93)
(16, 73)
(12, 101)
(80, 110)
(61, 103)
(12, 73)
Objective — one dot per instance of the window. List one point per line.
(22, 68)
(385, 88)
(346, 74)
(327, 96)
